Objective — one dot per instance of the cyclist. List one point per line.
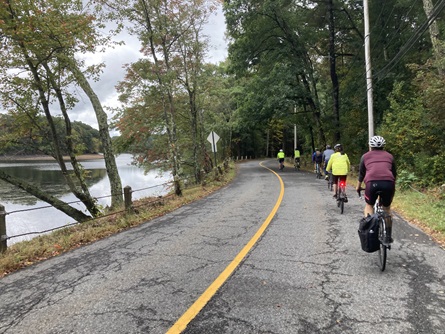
(280, 158)
(325, 158)
(317, 159)
(378, 171)
(340, 165)
(297, 157)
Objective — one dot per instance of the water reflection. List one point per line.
(49, 178)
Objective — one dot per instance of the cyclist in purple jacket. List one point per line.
(378, 171)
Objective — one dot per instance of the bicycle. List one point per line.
(341, 195)
(382, 231)
(281, 165)
(318, 170)
(330, 182)
(297, 163)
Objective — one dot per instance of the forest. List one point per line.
(291, 65)
(35, 140)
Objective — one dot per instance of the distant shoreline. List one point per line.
(6, 158)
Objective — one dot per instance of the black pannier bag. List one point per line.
(368, 231)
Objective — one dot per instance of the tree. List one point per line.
(41, 43)
(272, 38)
(174, 49)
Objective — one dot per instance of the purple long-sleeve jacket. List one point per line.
(377, 165)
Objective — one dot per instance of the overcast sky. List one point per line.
(125, 54)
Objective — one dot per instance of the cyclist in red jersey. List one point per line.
(378, 171)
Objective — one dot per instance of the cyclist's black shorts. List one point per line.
(280, 159)
(336, 178)
(385, 189)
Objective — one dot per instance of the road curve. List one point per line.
(305, 273)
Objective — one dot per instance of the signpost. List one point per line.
(213, 139)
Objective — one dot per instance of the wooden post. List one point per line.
(127, 199)
(3, 240)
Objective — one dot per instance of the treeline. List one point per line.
(303, 64)
(36, 139)
(291, 65)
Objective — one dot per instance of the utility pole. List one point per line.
(368, 70)
(295, 128)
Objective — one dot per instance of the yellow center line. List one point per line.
(199, 304)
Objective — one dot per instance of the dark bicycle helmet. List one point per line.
(377, 141)
(337, 147)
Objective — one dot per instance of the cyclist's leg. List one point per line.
(343, 179)
(335, 182)
(370, 198)
(388, 190)
(369, 209)
(325, 171)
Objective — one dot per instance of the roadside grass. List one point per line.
(26, 253)
(424, 209)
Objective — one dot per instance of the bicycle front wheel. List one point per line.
(383, 248)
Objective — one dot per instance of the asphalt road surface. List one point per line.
(269, 253)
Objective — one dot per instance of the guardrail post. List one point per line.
(3, 240)
(127, 199)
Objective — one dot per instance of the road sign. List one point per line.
(213, 139)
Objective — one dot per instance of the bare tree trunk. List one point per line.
(84, 194)
(102, 121)
(86, 199)
(169, 105)
(333, 70)
(37, 192)
(434, 34)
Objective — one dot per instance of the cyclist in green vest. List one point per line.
(280, 158)
(297, 157)
(340, 166)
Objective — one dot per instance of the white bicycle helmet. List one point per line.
(377, 141)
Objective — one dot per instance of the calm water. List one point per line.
(48, 176)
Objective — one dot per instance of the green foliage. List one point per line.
(23, 138)
(429, 209)
(406, 179)
(411, 131)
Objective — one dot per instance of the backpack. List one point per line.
(318, 157)
(368, 232)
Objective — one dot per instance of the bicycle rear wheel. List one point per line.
(342, 199)
(383, 249)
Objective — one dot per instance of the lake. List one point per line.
(26, 213)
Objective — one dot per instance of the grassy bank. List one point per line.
(423, 209)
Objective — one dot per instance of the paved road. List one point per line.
(306, 273)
